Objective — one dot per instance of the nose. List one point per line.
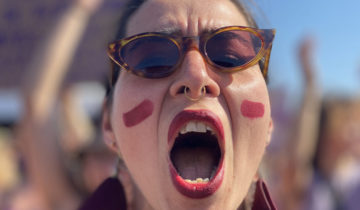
(194, 79)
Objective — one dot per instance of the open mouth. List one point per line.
(195, 156)
(196, 153)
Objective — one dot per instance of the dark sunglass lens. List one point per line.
(233, 48)
(151, 57)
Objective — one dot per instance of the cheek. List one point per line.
(252, 109)
(138, 114)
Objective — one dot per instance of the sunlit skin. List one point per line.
(144, 147)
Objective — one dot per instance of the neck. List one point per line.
(139, 202)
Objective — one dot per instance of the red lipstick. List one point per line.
(200, 189)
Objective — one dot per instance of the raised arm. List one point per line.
(45, 75)
(306, 128)
(36, 131)
(308, 119)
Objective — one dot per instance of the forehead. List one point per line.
(188, 16)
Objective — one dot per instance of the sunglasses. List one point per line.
(157, 55)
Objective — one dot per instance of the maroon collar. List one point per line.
(111, 196)
(262, 199)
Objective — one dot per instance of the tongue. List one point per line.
(192, 163)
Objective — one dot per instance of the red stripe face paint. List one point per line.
(252, 109)
(138, 114)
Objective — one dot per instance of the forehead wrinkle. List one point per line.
(168, 25)
(198, 23)
(187, 19)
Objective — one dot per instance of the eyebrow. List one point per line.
(171, 30)
(209, 30)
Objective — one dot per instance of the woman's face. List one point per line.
(165, 138)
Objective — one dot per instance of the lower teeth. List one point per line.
(198, 180)
(202, 180)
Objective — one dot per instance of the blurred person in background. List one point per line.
(336, 164)
(57, 144)
(320, 167)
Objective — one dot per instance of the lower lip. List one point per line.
(198, 190)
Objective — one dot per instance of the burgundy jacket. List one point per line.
(111, 196)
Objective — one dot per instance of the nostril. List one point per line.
(181, 90)
(207, 90)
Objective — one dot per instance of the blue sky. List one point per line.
(335, 26)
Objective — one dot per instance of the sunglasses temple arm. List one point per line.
(266, 63)
(112, 73)
(268, 34)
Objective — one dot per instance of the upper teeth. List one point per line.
(194, 126)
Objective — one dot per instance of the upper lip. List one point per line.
(205, 116)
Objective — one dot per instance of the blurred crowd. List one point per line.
(314, 162)
(53, 156)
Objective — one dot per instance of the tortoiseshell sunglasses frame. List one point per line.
(183, 43)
